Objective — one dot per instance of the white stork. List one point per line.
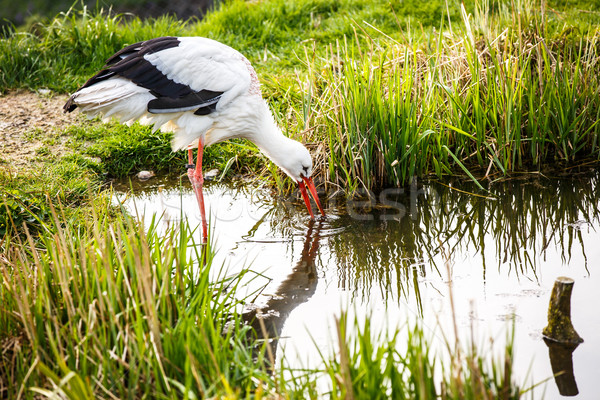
(201, 90)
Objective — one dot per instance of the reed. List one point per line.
(497, 93)
(369, 365)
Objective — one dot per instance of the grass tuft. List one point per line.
(130, 310)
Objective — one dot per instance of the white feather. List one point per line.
(116, 97)
(188, 129)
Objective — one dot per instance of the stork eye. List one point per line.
(305, 169)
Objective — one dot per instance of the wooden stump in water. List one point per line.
(561, 337)
(560, 329)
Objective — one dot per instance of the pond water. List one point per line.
(391, 256)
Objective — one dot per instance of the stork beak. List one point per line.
(313, 191)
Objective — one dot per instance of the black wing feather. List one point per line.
(171, 96)
(143, 48)
(207, 98)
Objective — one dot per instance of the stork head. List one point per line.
(296, 162)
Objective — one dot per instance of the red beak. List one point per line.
(313, 191)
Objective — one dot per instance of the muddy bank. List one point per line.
(30, 125)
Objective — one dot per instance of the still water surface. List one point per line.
(391, 256)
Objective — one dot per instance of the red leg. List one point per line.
(197, 181)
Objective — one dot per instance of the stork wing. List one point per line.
(183, 74)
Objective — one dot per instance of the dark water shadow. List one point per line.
(299, 286)
(561, 360)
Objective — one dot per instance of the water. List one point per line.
(391, 256)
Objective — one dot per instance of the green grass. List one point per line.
(94, 154)
(370, 366)
(33, 11)
(26, 196)
(63, 53)
(125, 150)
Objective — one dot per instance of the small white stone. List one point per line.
(211, 174)
(145, 175)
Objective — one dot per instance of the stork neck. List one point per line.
(271, 141)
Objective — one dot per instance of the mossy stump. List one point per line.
(560, 329)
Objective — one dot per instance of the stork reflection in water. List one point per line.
(299, 286)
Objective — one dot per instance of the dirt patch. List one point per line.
(30, 124)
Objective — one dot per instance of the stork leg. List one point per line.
(197, 180)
